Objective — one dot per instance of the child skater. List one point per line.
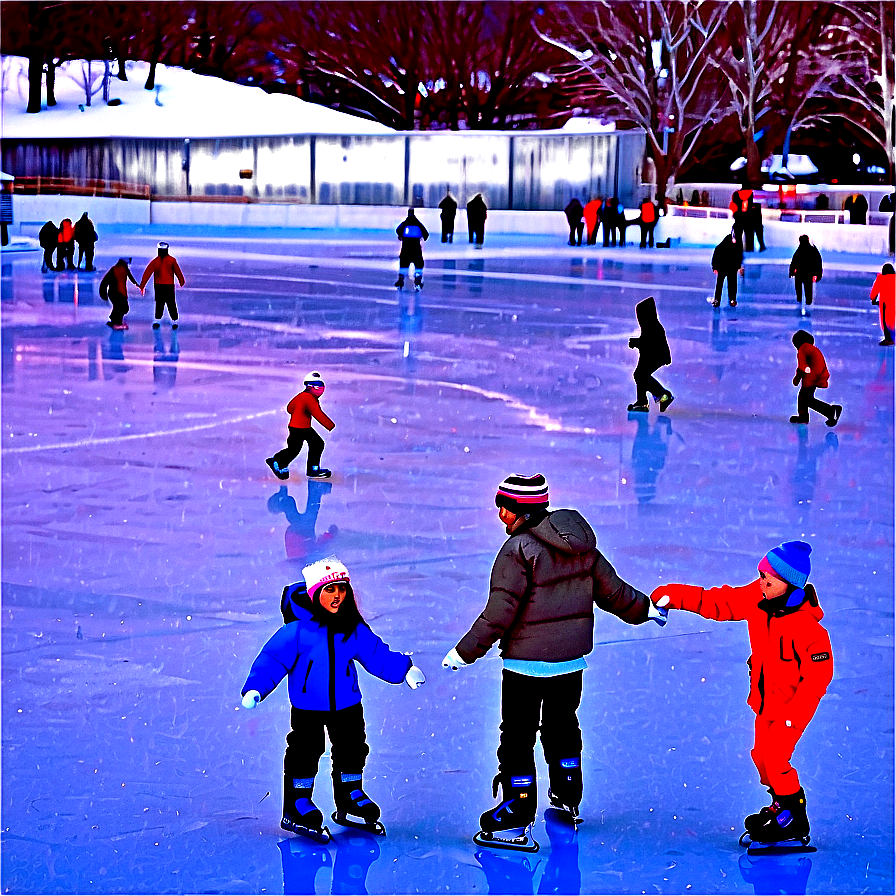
(318, 651)
(811, 374)
(653, 353)
(883, 294)
(790, 670)
(114, 289)
(301, 409)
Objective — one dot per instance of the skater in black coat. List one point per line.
(476, 215)
(85, 237)
(727, 260)
(574, 212)
(805, 268)
(653, 353)
(48, 237)
(610, 220)
(412, 233)
(449, 211)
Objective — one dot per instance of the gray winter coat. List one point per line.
(544, 584)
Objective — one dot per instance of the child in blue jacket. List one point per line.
(317, 650)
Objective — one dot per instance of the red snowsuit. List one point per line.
(790, 669)
(302, 408)
(884, 290)
(811, 368)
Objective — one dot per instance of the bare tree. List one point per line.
(650, 57)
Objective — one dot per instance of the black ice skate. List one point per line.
(784, 829)
(565, 789)
(318, 473)
(400, 281)
(509, 824)
(757, 819)
(354, 809)
(300, 815)
(665, 400)
(418, 282)
(275, 468)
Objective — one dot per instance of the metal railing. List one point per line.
(67, 186)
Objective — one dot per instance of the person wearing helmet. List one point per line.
(163, 269)
(301, 409)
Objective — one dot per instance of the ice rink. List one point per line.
(146, 544)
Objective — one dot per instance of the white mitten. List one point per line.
(414, 678)
(251, 699)
(452, 660)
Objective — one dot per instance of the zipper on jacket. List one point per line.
(307, 673)
(332, 651)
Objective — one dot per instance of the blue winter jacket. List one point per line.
(320, 663)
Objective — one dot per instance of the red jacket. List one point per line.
(592, 213)
(66, 231)
(884, 290)
(811, 367)
(163, 270)
(302, 408)
(791, 664)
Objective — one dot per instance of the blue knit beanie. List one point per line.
(790, 561)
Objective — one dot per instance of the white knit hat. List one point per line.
(313, 377)
(323, 572)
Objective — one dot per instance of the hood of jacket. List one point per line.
(646, 313)
(565, 530)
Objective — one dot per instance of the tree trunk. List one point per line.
(122, 74)
(51, 83)
(35, 79)
(153, 62)
(754, 162)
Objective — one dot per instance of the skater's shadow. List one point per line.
(476, 264)
(164, 361)
(805, 469)
(776, 874)
(113, 355)
(302, 859)
(449, 281)
(507, 871)
(562, 873)
(410, 325)
(649, 450)
(302, 544)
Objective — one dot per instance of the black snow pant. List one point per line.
(65, 255)
(294, 442)
(410, 255)
(448, 231)
(592, 234)
(647, 233)
(731, 277)
(120, 308)
(646, 382)
(165, 299)
(48, 258)
(477, 232)
(530, 704)
(305, 743)
(803, 284)
(85, 250)
(806, 399)
(575, 233)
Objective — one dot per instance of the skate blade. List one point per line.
(375, 827)
(776, 847)
(523, 842)
(321, 836)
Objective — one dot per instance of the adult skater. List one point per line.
(476, 215)
(65, 246)
(318, 652)
(790, 669)
(448, 212)
(883, 294)
(653, 353)
(609, 219)
(727, 261)
(805, 269)
(163, 269)
(574, 212)
(48, 237)
(647, 222)
(411, 233)
(754, 213)
(114, 289)
(740, 208)
(85, 237)
(857, 206)
(811, 374)
(591, 213)
(544, 583)
(301, 409)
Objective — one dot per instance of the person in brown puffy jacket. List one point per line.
(545, 582)
(811, 374)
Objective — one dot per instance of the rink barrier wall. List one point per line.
(684, 226)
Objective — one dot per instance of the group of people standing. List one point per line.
(477, 212)
(60, 241)
(610, 215)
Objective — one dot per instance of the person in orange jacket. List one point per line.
(791, 666)
(883, 294)
(65, 245)
(592, 219)
(301, 409)
(647, 222)
(811, 374)
(163, 269)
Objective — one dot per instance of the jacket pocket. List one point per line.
(786, 659)
(307, 673)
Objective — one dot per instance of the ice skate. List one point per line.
(565, 789)
(156, 324)
(757, 819)
(354, 809)
(300, 815)
(399, 283)
(835, 416)
(418, 282)
(784, 827)
(665, 400)
(509, 824)
(275, 468)
(732, 303)
(638, 408)
(319, 473)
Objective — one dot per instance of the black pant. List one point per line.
(305, 743)
(646, 382)
(576, 231)
(85, 250)
(165, 299)
(592, 234)
(120, 308)
(447, 231)
(647, 233)
(731, 276)
(411, 255)
(294, 443)
(529, 704)
(477, 232)
(65, 254)
(609, 233)
(48, 257)
(802, 284)
(806, 399)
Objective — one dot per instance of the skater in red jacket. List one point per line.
(811, 374)
(883, 294)
(790, 669)
(301, 409)
(163, 269)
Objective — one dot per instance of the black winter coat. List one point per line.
(573, 212)
(728, 256)
(545, 582)
(652, 343)
(449, 209)
(806, 262)
(85, 232)
(48, 236)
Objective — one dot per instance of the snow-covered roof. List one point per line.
(5, 176)
(183, 104)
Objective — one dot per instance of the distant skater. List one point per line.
(48, 237)
(811, 374)
(592, 219)
(163, 269)
(448, 213)
(883, 294)
(727, 260)
(114, 289)
(476, 215)
(805, 269)
(301, 409)
(653, 353)
(647, 222)
(574, 212)
(65, 246)
(411, 233)
(86, 238)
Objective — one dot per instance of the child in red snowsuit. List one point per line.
(301, 409)
(883, 294)
(811, 374)
(790, 669)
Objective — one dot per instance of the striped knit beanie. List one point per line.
(790, 562)
(523, 494)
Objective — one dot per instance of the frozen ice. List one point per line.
(146, 544)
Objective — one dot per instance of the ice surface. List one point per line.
(145, 546)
